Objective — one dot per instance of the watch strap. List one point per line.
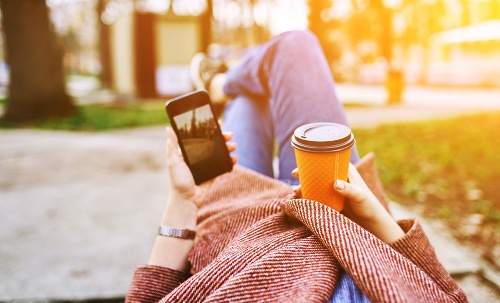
(169, 231)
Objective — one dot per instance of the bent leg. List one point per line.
(292, 72)
(251, 122)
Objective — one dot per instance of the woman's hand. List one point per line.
(185, 197)
(182, 206)
(362, 207)
(182, 185)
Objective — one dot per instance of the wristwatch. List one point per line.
(169, 231)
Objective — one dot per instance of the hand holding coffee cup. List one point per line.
(323, 151)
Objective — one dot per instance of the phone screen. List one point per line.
(197, 130)
(199, 135)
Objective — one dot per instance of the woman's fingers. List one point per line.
(231, 147)
(234, 158)
(172, 145)
(228, 136)
(297, 191)
(354, 193)
(355, 178)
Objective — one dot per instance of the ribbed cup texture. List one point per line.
(318, 172)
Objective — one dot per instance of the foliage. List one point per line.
(100, 117)
(463, 147)
(323, 28)
(444, 169)
(450, 167)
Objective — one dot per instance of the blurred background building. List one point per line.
(142, 48)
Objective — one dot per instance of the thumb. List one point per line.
(352, 192)
(172, 144)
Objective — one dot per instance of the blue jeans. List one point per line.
(276, 88)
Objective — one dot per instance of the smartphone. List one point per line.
(200, 138)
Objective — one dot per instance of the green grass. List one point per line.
(464, 147)
(102, 117)
(447, 170)
(439, 162)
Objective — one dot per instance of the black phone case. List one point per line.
(202, 138)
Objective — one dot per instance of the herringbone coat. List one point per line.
(256, 244)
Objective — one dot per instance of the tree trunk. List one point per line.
(494, 9)
(323, 29)
(37, 87)
(206, 27)
(466, 17)
(104, 48)
(145, 55)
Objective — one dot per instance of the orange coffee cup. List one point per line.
(323, 151)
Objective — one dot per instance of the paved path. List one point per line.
(79, 211)
(424, 97)
(420, 103)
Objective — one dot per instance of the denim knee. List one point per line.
(299, 40)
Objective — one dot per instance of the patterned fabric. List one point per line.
(256, 244)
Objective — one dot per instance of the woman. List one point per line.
(256, 241)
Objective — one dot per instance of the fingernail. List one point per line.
(339, 185)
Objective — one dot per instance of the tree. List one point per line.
(384, 35)
(494, 9)
(323, 28)
(37, 88)
(104, 46)
(206, 26)
(466, 17)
